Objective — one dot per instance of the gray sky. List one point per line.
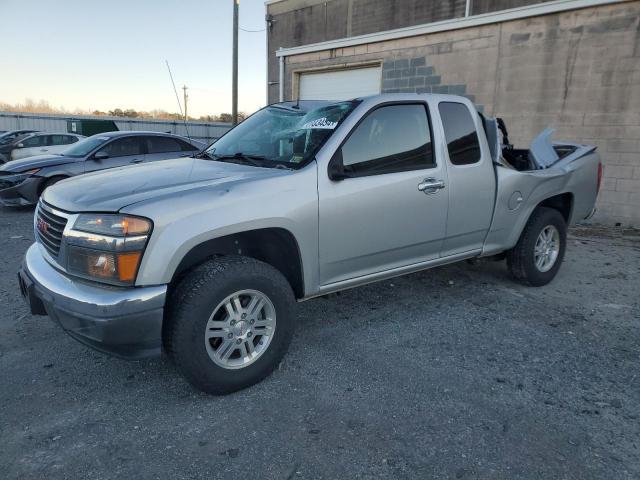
(103, 55)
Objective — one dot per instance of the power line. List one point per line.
(251, 31)
(184, 119)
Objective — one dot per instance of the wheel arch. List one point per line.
(273, 245)
(563, 202)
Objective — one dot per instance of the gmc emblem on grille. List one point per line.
(43, 226)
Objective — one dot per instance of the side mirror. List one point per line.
(101, 155)
(20, 145)
(336, 169)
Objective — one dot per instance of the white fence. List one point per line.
(202, 131)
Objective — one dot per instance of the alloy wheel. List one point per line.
(547, 248)
(240, 329)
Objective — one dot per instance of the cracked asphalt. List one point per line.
(453, 373)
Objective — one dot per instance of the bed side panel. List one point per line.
(519, 193)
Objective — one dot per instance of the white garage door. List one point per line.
(340, 84)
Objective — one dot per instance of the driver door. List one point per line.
(119, 152)
(386, 207)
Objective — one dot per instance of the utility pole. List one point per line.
(234, 69)
(186, 97)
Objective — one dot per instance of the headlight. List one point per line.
(107, 247)
(115, 225)
(17, 178)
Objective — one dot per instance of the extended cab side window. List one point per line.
(393, 138)
(460, 133)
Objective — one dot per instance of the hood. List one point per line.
(114, 189)
(37, 161)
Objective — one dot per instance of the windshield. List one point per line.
(9, 137)
(83, 147)
(286, 134)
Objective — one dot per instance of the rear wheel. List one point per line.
(230, 322)
(536, 258)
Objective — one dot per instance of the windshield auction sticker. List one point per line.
(320, 123)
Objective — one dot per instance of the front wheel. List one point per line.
(230, 321)
(536, 258)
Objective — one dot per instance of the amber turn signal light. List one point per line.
(128, 266)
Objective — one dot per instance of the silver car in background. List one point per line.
(23, 181)
(44, 144)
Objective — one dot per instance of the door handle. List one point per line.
(431, 186)
(136, 160)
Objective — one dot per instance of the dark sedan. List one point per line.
(22, 181)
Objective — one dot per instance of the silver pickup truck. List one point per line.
(205, 257)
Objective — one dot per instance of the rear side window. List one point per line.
(124, 147)
(59, 140)
(186, 147)
(390, 139)
(460, 133)
(162, 145)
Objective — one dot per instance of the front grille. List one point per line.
(49, 228)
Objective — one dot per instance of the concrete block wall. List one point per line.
(577, 71)
(413, 75)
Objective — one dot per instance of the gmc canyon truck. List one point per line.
(205, 257)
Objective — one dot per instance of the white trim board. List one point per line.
(450, 24)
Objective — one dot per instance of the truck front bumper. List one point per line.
(125, 322)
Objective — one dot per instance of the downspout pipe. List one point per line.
(281, 79)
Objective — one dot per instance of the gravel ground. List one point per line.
(452, 373)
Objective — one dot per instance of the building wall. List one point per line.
(577, 71)
(301, 22)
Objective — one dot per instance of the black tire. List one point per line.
(194, 300)
(520, 259)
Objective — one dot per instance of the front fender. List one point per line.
(182, 223)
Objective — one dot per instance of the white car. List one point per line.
(44, 144)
